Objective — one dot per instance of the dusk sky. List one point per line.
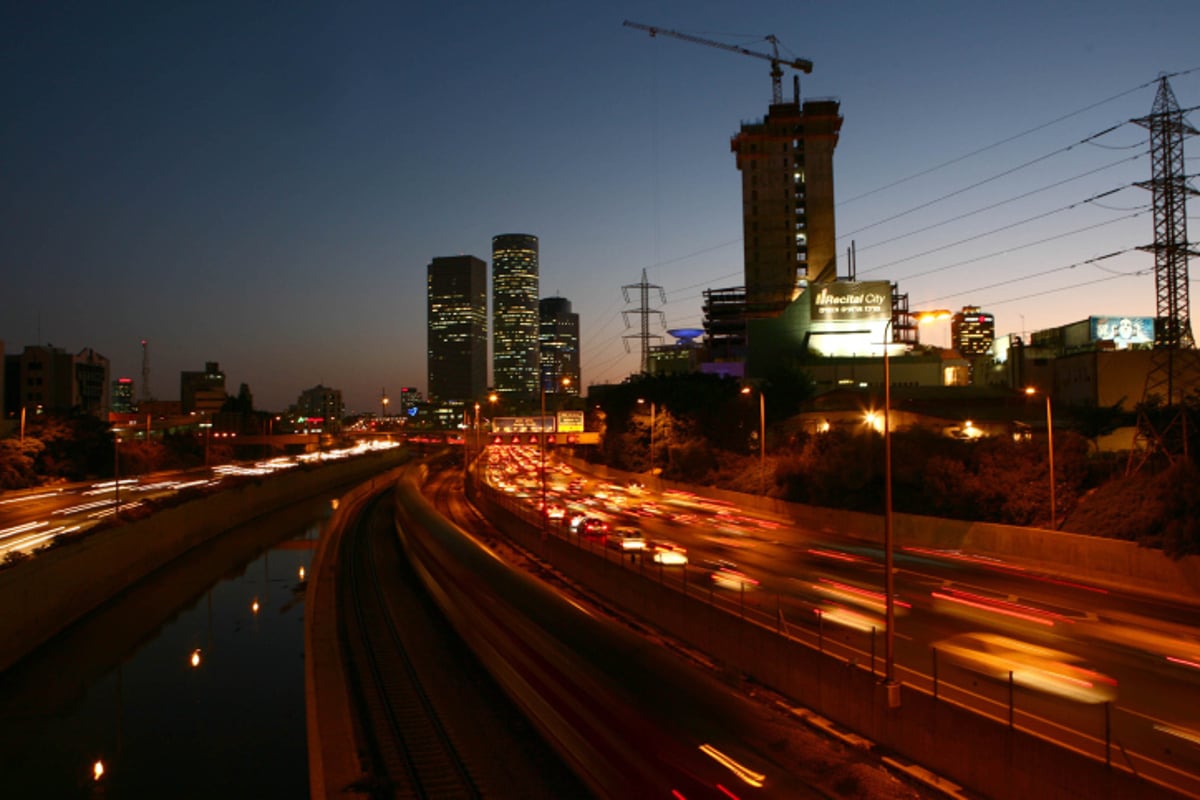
(263, 185)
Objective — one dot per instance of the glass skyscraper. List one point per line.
(515, 315)
(457, 332)
(558, 343)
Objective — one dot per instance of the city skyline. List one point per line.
(265, 190)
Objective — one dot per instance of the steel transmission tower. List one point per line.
(1170, 379)
(645, 312)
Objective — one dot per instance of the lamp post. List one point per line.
(116, 474)
(542, 446)
(762, 440)
(383, 404)
(889, 638)
(652, 410)
(1050, 445)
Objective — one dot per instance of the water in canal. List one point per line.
(182, 687)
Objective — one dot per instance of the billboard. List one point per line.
(852, 301)
(1123, 331)
(570, 421)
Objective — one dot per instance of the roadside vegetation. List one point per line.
(705, 431)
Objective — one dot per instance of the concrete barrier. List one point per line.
(44, 594)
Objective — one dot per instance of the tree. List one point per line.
(18, 462)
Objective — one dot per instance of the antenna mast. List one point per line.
(145, 370)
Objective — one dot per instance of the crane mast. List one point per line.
(777, 63)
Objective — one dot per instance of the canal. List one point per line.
(188, 685)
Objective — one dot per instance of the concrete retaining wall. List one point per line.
(45, 594)
(1104, 562)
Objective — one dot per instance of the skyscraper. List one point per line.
(457, 330)
(558, 344)
(515, 315)
(788, 224)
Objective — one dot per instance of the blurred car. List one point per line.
(668, 554)
(1031, 666)
(592, 526)
(556, 512)
(726, 575)
(626, 539)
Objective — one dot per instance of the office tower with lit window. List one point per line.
(788, 229)
(515, 315)
(122, 396)
(203, 392)
(457, 329)
(558, 345)
(972, 331)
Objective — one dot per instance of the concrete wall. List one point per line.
(44, 594)
(1104, 562)
(977, 751)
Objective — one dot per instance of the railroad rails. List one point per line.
(410, 749)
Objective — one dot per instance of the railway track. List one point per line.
(412, 752)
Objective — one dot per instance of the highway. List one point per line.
(1088, 664)
(32, 519)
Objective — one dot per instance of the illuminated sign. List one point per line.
(1123, 331)
(570, 421)
(851, 301)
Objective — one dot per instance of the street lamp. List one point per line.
(566, 381)
(652, 409)
(1030, 390)
(383, 404)
(762, 440)
(889, 636)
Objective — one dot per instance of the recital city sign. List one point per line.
(846, 301)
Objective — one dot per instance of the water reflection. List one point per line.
(189, 685)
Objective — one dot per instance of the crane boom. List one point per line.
(801, 64)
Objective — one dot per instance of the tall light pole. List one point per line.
(762, 439)
(889, 637)
(652, 410)
(383, 404)
(1050, 445)
(542, 443)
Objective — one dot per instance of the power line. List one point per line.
(1025, 221)
(983, 182)
(863, 248)
(1086, 262)
(1006, 140)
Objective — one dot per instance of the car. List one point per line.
(626, 539)
(1030, 665)
(726, 575)
(668, 554)
(592, 526)
(555, 512)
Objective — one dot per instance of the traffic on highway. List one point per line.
(1096, 669)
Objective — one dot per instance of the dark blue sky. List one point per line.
(263, 185)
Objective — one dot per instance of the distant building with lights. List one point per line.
(558, 346)
(680, 357)
(202, 392)
(457, 329)
(972, 331)
(323, 403)
(515, 315)
(122, 396)
(55, 380)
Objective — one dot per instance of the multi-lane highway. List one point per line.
(1100, 670)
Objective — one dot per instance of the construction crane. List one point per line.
(777, 63)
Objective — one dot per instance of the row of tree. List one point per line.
(705, 431)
